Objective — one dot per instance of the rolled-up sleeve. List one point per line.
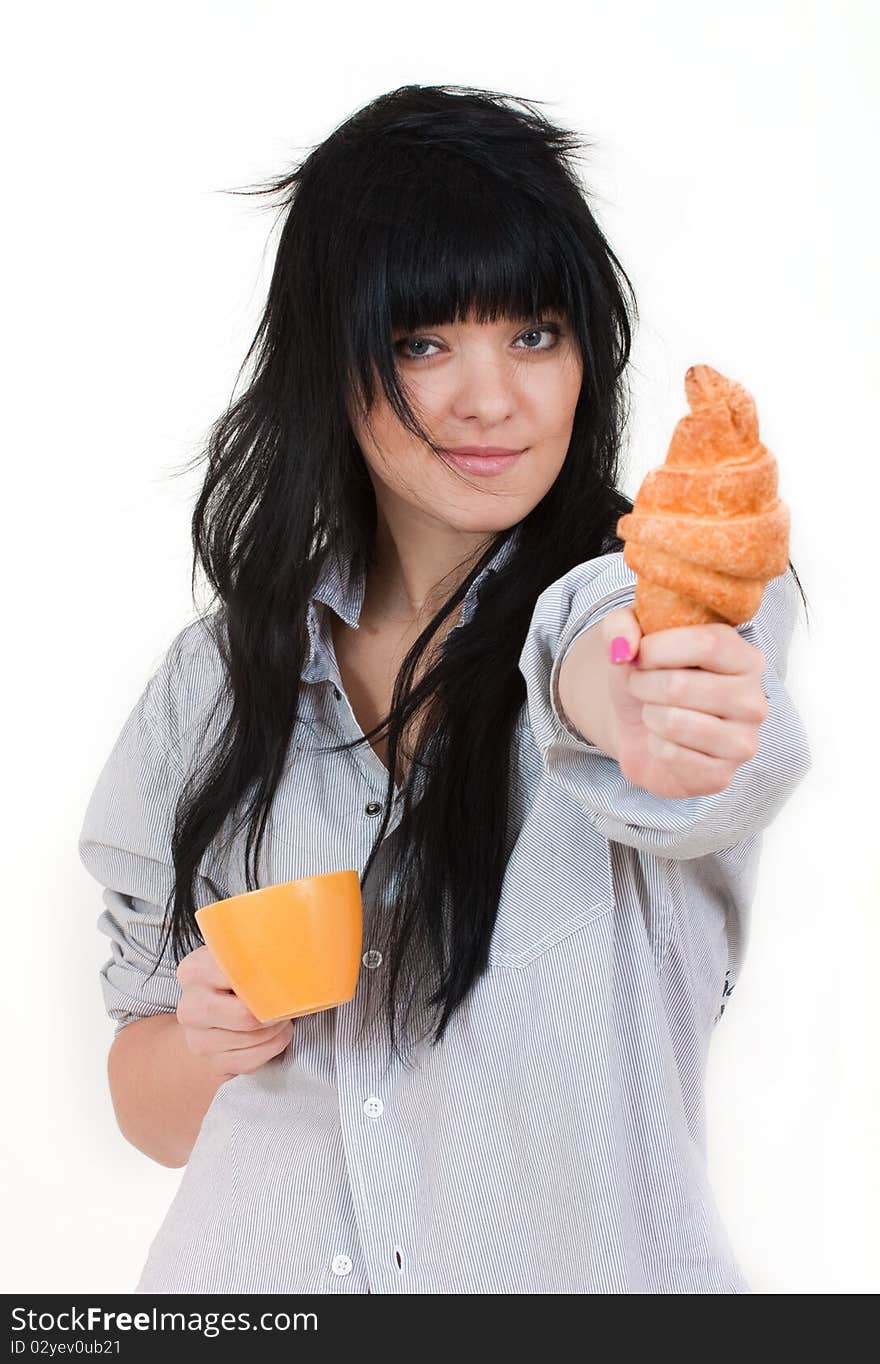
(693, 826)
(125, 844)
(130, 991)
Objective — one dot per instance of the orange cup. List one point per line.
(289, 949)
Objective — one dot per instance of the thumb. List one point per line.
(622, 634)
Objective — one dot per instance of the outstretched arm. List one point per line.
(601, 764)
(681, 715)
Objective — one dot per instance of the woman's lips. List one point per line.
(483, 464)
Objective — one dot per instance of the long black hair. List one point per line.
(429, 205)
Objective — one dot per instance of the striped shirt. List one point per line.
(555, 1141)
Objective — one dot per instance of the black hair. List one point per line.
(429, 205)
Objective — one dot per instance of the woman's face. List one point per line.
(508, 384)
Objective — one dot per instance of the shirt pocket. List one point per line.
(557, 882)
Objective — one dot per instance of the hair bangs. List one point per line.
(487, 259)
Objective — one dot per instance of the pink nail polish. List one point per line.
(620, 650)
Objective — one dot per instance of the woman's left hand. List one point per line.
(688, 707)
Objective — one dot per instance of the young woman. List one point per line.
(408, 673)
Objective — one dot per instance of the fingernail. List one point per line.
(620, 650)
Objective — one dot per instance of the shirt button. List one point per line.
(374, 1108)
(341, 1264)
(374, 808)
(337, 693)
(372, 959)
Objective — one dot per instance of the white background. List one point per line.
(731, 170)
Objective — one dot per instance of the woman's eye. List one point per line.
(415, 341)
(551, 328)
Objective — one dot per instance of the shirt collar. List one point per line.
(341, 586)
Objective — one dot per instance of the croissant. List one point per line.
(707, 531)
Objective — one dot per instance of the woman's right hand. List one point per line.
(217, 1025)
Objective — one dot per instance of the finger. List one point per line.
(696, 732)
(217, 1041)
(247, 1063)
(212, 971)
(693, 771)
(622, 634)
(202, 966)
(238, 1043)
(727, 697)
(215, 1008)
(716, 648)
